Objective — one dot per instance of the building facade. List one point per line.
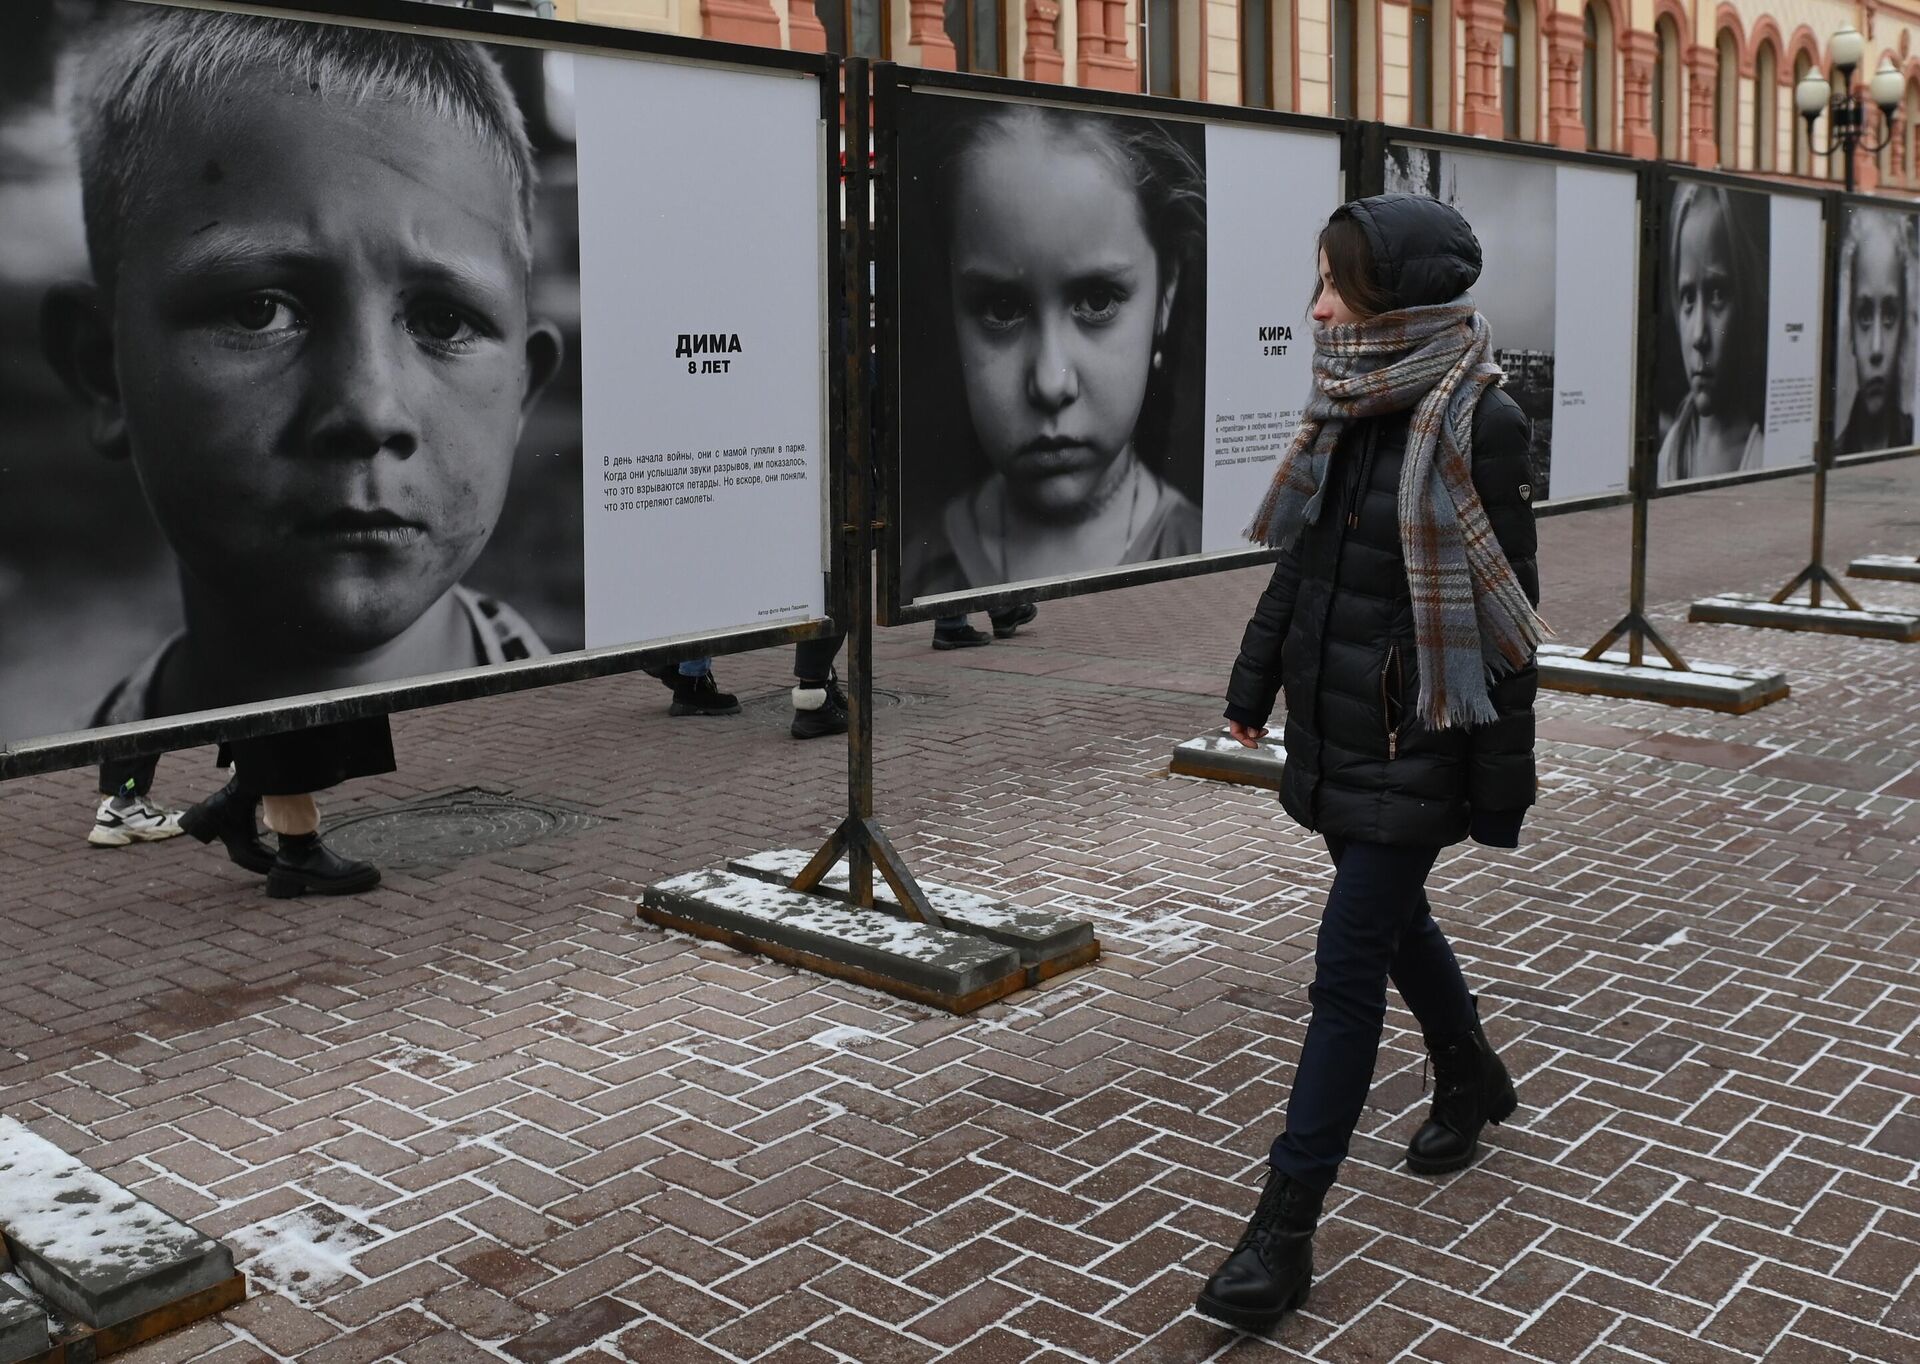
(1705, 81)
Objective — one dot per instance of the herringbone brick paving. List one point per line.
(482, 1115)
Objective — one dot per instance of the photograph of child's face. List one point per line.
(1878, 301)
(1711, 372)
(290, 393)
(1052, 275)
(1708, 307)
(323, 350)
(1058, 301)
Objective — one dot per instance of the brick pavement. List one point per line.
(482, 1115)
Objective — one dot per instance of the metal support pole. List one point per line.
(859, 527)
(1634, 626)
(865, 845)
(1816, 577)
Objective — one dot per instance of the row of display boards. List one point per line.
(368, 401)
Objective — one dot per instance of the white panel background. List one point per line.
(1795, 264)
(701, 201)
(1596, 287)
(1269, 192)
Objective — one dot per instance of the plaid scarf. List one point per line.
(1472, 621)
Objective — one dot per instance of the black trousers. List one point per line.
(813, 658)
(1377, 926)
(295, 763)
(116, 773)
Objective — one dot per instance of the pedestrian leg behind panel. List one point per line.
(126, 814)
(1376, 893)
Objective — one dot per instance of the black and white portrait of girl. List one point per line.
(1713, 367)
(1052, 334)
(1874, 362)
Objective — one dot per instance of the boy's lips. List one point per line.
(361, 526)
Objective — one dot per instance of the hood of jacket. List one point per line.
(1423, 250)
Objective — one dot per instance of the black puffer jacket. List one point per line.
(1335, 625)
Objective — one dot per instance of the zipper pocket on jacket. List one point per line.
(1389, 691)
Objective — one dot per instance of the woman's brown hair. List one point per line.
(1350, 262)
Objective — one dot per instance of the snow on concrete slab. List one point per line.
(1038, 933)
(950, 963)
(1745, 608)
(95, 1251)
(23, 1327)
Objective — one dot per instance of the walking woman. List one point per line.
(1400, 622)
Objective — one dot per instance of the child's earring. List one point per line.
(1159, 356)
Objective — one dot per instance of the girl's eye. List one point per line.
(263, 314)
(1100, 303)
(1001, 311)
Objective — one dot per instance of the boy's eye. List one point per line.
(444, 325)
(263, 313)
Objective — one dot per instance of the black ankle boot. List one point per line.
(702, 696)
(228, 815)
(1269, 1272)
(306, 866)
(1471, 1088)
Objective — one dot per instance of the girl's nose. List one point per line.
(1053, 380)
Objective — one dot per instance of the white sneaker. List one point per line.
(140, 822)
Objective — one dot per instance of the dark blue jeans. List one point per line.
(1377, 926)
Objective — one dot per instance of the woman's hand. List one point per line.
(1247, 736)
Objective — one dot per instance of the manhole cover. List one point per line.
(777, 708)
(445, 828)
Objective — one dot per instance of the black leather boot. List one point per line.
(228, 815)
(1471, 1088)
(306, 866)
(1269, 1272)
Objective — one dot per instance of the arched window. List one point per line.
(974, 26)
(1160, 37)
(1256, 54)
(1266, 54)
(1510, 71)
(1346, 58)
(1766, 107)
(1726, 101)
(1802, 152)
(1596, 75)
(1590, 77)
(1910, 130)
(1420, 64)
(1666, 89)
(855, 28)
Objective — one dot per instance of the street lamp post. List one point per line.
(1847, 129)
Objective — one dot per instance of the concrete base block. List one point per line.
(1899, 568)
(1709, 686)
(1052, 942)
(953, 971)
(1744, 608)
(23, 1328)
(97, 1253)
(1220, 757)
